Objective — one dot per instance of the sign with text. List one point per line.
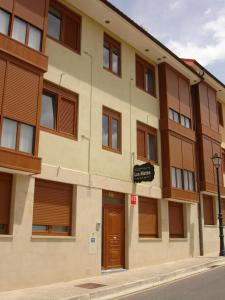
(145, 172)
(133, 199)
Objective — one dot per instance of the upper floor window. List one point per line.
(145, 76)
(64, 26)
(17, 136)
(111, 55)
(178, 118)
(59, 110)
(111, 130)
(220, 113)
(4, 22)
(146, 143)
(183, 179)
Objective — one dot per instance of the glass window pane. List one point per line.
(179, 179)
(182, 120)
(170, 114)
(105, 130)
(9, 132)
(48, 111)
(187, 123)
(174, 182)
(191, 181)
(4, 22)
(26, 138)
(115, 61)
(149, 81)
(54, 23)
(60, 228)
(34, 38)
(152, 152)
(40, 228)
(19, 30)
(185, 174)
(176, 117)
(115, 134)
(106, 56)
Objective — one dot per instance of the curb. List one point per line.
(143, 284)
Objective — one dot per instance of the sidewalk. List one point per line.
(117, 284)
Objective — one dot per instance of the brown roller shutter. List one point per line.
(21, 95)
(2, 80)
(204, 104)
(214, 123)
(208, 210)
(148, 217)
(67, 116)
(208, 164)
(52, 203)
(220, 113)
(176, 151)
(140, 74)
(184, 93)
(176, 220)
(223, 209)
(5, 200)
(32, 11)
(172, 89)
(141, 149)
(188, 156)
(71, 32)
(7, 4)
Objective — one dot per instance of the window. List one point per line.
(17, 136)
(59, 111)
(52, 213)
(148, 217)
(145, 76)
(111, 130)
(34, 40)
(64, 26)
(178, 118)
(5, 202)
(182, 179)
(146, 143)
(111, 55)
(176, 220)
(223, 160)
(4, 22)
(220, 113)
(208, 208)
(19, 30)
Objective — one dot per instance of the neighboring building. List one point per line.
(86, 94)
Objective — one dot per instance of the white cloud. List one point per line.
(208, 11)
(173, 5)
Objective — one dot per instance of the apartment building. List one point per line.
(85, 95)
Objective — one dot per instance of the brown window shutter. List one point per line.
(140, 74)
(148, 217)
(52, 203)
(176, 220)
(2, 80)
(5, 198)
(22, 90)
(67, 116)
(208, 210)
(223, 210)
(220, 113)
(71, 32)
(141, 143)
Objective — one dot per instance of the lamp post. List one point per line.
(217, 163)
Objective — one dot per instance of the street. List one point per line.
(206, 286)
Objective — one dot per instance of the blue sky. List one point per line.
(190, 28)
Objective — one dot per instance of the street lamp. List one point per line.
(217, 163)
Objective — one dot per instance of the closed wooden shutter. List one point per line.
(176, 220)
(208, 209)
(148, 217)
(21, 95)
(141, 143)
(140, 74)
(52, 203)
(7, 4)
(71, 32)
(213, 117)
(2, 80)
(220, 113)
(184, 95)
(67, 116)
(172, 83)
(5, 200)
(223, 209)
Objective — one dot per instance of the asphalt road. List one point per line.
(209, 285)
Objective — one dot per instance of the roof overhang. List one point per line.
(133, 34)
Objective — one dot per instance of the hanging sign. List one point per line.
(145, 172)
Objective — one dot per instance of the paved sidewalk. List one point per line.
(117, 284)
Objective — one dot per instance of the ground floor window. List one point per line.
(52, 214)
(176, 220)
(148, 217)
(5, 202)
(208, 208)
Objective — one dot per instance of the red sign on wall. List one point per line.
(133, 199)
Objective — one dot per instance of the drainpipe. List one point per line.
(131, 153)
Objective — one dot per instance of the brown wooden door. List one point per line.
(113, 236)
